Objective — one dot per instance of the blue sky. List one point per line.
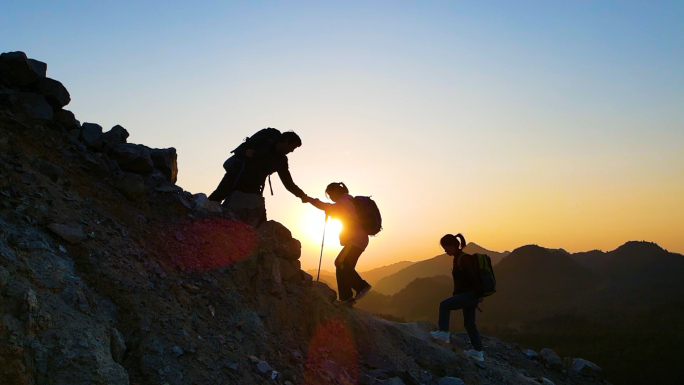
(566, 116)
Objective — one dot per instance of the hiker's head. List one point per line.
(453, 244)
(335, 190)
(288, 142)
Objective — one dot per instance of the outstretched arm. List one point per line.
(286, 178)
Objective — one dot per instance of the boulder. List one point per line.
(531, 354)
(91, 135)
(54, 92)
(17, 70)
(67, 120)
(583, 366)
(35, 105)
(324, 290)
(50, 170)
(132, 186)
(133, 157)
(289, 270)
(204, 203)
(117, 345)
(276, 239)
(550, 357)
(247, 208)
(116, 136)
(70, 232)
(166, 161)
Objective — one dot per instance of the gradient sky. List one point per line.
(558, 124)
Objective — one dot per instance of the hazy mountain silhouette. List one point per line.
(628, 300)
(439, 265)
(374, 275)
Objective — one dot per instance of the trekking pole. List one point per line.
(322, 242)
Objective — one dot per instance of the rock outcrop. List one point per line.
(112, 274)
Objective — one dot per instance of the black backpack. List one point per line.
(369, 215)
(487, 278)
(262, 142)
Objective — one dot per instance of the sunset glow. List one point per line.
(559, 124)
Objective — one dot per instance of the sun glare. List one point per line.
(313, 224)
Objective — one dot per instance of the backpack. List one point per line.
(369, 215)
(262, 141)
(487, 278)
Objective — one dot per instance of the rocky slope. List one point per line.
(112, 274)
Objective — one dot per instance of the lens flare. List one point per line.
(332, 355)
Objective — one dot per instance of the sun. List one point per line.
(313, 223)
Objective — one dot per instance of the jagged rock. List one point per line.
(50, 170)
(17, 70)
(115, 136)
(289, 270)
(450, 381)
(204, 203)
(546, 381)
(550, 357)
(327, 293)
(177, 351)
(70, 232)
(306, 277)
(4, 278)
(67, 120)
(531, 354)
(132, 186)
(166, 161)
(169, 187)
(91, 135)
(247, 208)
(133, 157)
(276, 239)
(35, 105)
(117, 345)
(38, 67)
(54, 92)
(583, 366)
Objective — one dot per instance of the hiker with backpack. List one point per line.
(473, 280)
(254, 160)
(353, 238)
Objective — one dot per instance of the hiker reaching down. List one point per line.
(468, 293)
(256, 159)
(353, 238)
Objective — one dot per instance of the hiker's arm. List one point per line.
(286, 178)
(327, 207)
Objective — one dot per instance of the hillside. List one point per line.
(588, 302)
(110, 273)
(439, 265)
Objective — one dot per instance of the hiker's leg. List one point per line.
(223, 189)
(343, 283)
(355, 281)
(456, 302)
(471, 327)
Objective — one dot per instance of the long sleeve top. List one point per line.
(352, 233)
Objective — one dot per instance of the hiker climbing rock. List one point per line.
(469, 291)
(353, 237)
(256, 159)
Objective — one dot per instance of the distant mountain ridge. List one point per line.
(439, 265)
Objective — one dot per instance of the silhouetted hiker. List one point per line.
(352, 236)
(257, 158)
(468, 293)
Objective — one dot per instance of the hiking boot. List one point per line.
(346, 303)
(441, 336)
(478, 357)
(362, 292)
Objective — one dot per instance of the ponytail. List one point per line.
(453, 240)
